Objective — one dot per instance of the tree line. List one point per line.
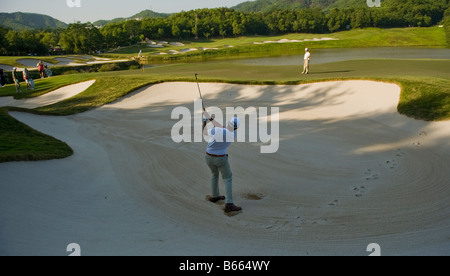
(84, 38)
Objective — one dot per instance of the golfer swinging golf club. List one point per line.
(217, 159)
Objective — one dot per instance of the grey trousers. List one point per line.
(220, 165)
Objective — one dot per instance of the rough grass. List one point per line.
(18, 142)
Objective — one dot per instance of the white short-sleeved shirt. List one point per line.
(307, 55)
(220, 140)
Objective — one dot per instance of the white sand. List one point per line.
(62, 61)
(295, 40)
(350, 171)
(31, 63)
(6, 67)
(47, 99)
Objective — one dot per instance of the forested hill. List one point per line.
(26, 21)
(141, 15)
(270, 5)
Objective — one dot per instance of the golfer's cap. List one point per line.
(234, 123)
(14, 68)
(306, 49)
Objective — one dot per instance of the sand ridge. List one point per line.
(55, 96)
(350, 171)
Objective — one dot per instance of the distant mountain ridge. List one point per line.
(142, 14)
(20, 21)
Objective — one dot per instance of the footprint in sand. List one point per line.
(391, 164)
(334, 203)
(370, 175)
(400, 153)
(359, 191)
(423, 133)
(253, 196)
(417, 144)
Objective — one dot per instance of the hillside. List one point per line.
(268, 5)
(348, 4)
(27, 21)
(142, 14)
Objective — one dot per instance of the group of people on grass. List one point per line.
(43, 69)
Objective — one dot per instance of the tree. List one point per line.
(15, 43)
(3, 41)
(176, 31)
(82, 39)
(447, 25)
(50, 40)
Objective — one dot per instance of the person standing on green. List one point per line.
(26, 78)
(41, 68)
(306, 60)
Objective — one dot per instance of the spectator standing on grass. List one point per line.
(26, 78)
(40, 67)
(306, 60)
(48, 72)
(2, 78)
(16, 80)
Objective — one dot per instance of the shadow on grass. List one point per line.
(429, 107)
(329, 72)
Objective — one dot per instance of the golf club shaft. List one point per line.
(200, 92)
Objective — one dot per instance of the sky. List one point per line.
(93, 10)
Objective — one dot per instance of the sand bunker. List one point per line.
(49, 98)
(350, 171)
(296, 40)
(66, 62)
(31, 63)
(62, 61)
(6, 67)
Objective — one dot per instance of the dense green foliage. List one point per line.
(22, 43)
(447, 25)
(223, 22)
(270, 5)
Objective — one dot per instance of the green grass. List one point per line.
(425, 99)
(18, 142)
(43, 86)
(107, 88)
(245, 47)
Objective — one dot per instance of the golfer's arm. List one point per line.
(205, 130)
(214, 122)
(217, 124)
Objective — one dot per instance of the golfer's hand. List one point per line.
(207, 116)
